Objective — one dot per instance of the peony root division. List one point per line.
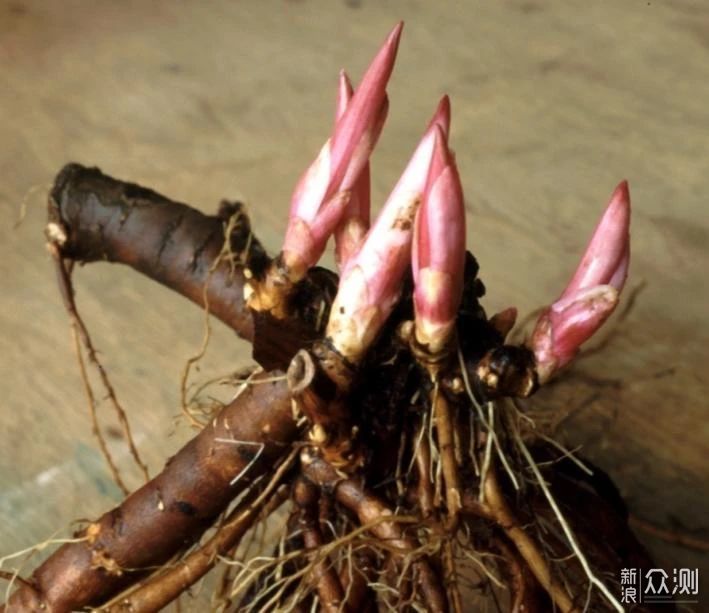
(376, 440)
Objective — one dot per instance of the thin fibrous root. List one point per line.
(568, 532)
(233, 259)
(371, 511)
(81, 333)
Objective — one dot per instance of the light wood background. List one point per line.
(553, 102)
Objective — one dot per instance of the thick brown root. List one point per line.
(93, 218)
(171, 511)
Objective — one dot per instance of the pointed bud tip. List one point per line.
(387, 52)
(623, 190)
(384, 60)
(441, 117)
(363, 111)
(395, 34)
(443, 113)
(344, 81)
(621, 196)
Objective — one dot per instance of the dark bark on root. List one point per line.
(171, 511)
(161, 589)
(103, 219)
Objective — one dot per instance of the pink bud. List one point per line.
(592, 294)
(608, 251)
(321, 195)
(371, 280)
(354, 224)
(365, 105)
(438, 258)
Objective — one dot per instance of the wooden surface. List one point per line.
(553, 103)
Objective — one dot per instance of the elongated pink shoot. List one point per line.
(371, 281)
(438, 258)
(365, 105)
(606, 258)
(354, 224)
(321, 195)
(592, 293)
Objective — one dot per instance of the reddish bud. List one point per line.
(605, 261)
(323, 192)
(592, 294)
(438, 258)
